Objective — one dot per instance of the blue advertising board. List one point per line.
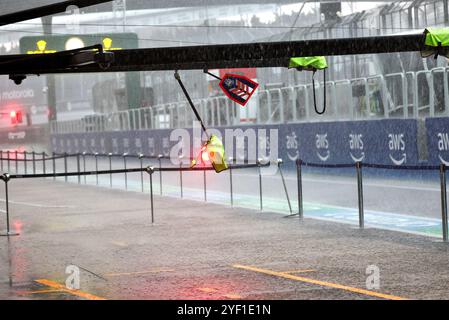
(438, 140)
(390, 142)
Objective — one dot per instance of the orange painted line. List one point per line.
(41, 291)
(299, 271)
(60, 287)
(320, 283)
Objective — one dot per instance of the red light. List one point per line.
(16, 117)
(204, 156)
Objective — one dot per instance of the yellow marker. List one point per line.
(62, 288)
(320, 283)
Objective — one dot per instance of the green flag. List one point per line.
(308, 63)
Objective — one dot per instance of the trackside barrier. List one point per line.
(6, 177)
(358, 167)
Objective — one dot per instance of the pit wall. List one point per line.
(388, 141)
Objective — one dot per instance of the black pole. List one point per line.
(230, 183)
(150, 170)
(299, 181)
(159, 157)
(25, 164)
(78, 167)
(65, 165)
(141, 172)
(285, 185)
(126, 175)
(33, 157)
(358, 166)
(54, 164)
(1, 160)
(443, 202)
(8, 232)
(84, 166)
(17, 161)
(184, 90)
(110, 168)
(260, 186)
(7, 155)
(44, 166)
(96, 167)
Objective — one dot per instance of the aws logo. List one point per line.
(322, 146)
(356, 146)
(396, 145)
(443, 145)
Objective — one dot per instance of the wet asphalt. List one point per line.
(198, 250)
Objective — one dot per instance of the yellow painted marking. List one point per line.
(207, 289)
(41, 291)
(299, 271)
(137, 272)
(60, 287)
(320, 283)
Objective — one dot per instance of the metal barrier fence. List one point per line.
(6, 177)
(398, 95)
(359, 176)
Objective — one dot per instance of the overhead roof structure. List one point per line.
(264, 54)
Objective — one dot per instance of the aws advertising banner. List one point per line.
(438, 140)
(390, 142)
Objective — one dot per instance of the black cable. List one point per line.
(314, 95)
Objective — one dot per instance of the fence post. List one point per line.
(358, 166)
(443, 201)
(78, 167)
(279, 162)
(5, 177)
(84, 166)
(33, 157)
(299, 182)
(54, 165)
(96, 167)
(126, 174)
(7, 155)
(180, 175)
(230, 181)
(17, 161)
(110, 168)
(25, 164)
(65, 165)
(141, 172)
(260, 185)
(150, 171)
(44, 166)
(159, 157)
